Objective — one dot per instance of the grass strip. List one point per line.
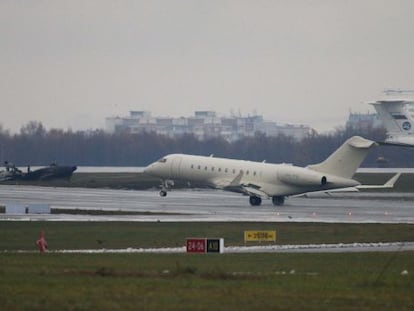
(17, 235)
(200, 282)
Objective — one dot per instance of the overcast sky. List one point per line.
(70, 64)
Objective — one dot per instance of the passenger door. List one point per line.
(176, 168)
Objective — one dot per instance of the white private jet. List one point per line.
(264, 180)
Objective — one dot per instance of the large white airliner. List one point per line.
(397, 116)
(261, 180)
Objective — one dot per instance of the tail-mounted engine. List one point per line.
(301, 177)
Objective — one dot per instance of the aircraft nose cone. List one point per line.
(151, 170)
(148, 169)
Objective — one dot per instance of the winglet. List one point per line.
(390, 183)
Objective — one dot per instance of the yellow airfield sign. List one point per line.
(261, 236)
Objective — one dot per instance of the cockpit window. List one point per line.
(163, 160)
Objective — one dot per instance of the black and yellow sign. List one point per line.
(213, 245)
(204, 245)
(261, 236)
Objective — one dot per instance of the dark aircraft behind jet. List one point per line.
(50, 172)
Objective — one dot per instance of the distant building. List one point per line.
(204, 124)
(363, 121)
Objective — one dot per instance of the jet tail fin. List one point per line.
(346, 159)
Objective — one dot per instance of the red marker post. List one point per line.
(41, 242)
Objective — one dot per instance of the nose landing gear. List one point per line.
(165, 185)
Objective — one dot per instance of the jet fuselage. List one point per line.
(264, 180)
(274, 179)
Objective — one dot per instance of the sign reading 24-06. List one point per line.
(196, 245)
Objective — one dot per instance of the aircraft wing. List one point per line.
(222, 183)
(389, 184)
(46, 176)
(253, 190)
(236, 185)
(394, 144)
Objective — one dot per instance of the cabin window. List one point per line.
(219, 169)
(234, 171)
(254, 173)
(212, 168)
(205, 168)
(225, 170)
(199, 167)
(247, 172)
(192, 165)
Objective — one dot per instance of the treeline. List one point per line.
(35, 145)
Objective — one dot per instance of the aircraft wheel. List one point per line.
(255, 201)
(163, 193)
(278, 200)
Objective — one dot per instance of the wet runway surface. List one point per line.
(209, 205)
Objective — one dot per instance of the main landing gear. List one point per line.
(255, 201)
(165, 184)
(276, 200)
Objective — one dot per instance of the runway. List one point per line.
(209, 206)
